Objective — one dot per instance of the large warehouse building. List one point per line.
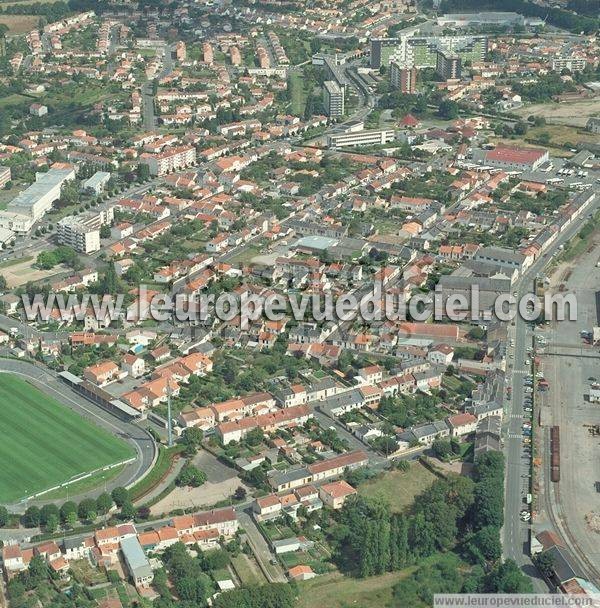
(30, 205)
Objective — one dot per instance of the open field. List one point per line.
(247, 569)
(19, 24)
(559, 136)
(23, 2)
(398, 488)
(14, 99)
(337, 591)
(44, 443)
(19, 271)
(297, 93)
(574, 113)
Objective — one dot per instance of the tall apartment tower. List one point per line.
(448, 66)
(403, 77)
(333, 99)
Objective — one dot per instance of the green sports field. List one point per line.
(44, 443)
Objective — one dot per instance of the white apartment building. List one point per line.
(83, 233)
(361, 138)
(170, 160)
(573, 64)
(333, 98)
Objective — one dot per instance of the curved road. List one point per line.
(47, 381)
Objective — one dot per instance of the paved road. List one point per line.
(140, 440)
(260, 548)
(515, 532)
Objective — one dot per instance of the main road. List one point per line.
(516, 532)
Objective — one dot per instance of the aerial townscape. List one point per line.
(299, 302)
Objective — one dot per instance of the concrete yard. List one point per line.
(567, 365)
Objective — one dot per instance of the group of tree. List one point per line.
(191, 583)
(50, 516)
(275, 595)
(455, 514)
(190, 475)
(61, 255)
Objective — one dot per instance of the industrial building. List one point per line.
(515, 159)
(30, 205)
(484, 18)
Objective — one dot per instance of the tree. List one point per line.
(448, 109)
(4, 516)
(544, 562)
(274, 595)
(46, 512)
(31, 517)
(485, 546)
(193, 437)
(190, 475)
(3, 284)
(441, 448)
(254, 437)
(38, 570)
(506, 577)
(216, 559)
(476, 333)
(105, 231)
(127, 510)
(240, 493)
(66, 510)
(399, 550)
(520, 128)
(104, 502)
(120, 495)
(87, 510)
(52, 524)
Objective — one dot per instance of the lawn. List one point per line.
(247, 570)
(337, 591)
(44, 443)
(297, 93)
(19, 24)
(399, 488)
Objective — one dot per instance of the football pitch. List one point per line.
(44, 443)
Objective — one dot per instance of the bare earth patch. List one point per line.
(19, 24)
(573, 113)
(23, 271)
(206, 495)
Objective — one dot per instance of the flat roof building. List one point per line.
(96, 183)
(30, 205)
(136, 561)
(333, 98)
(361, 138)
